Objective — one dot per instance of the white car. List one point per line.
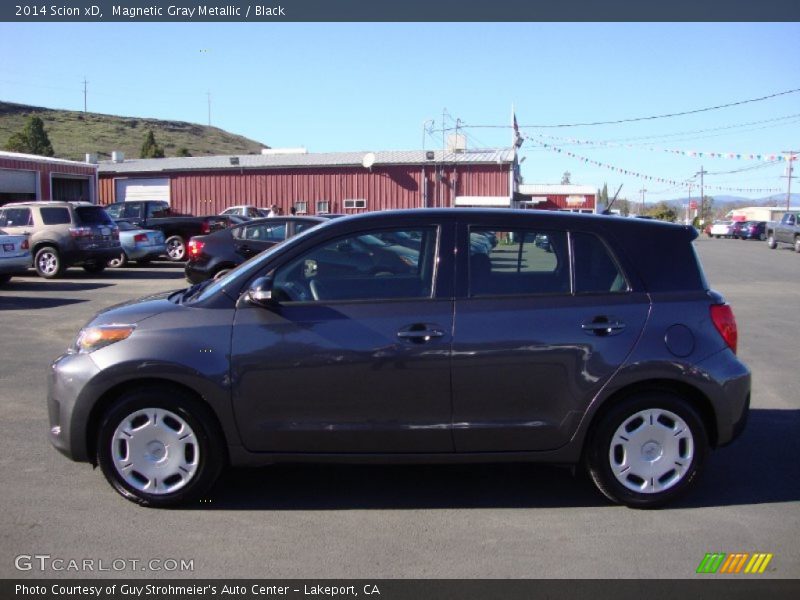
(15, 255)
(246, 210)
(721, 229)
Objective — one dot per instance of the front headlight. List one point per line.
(94, 338)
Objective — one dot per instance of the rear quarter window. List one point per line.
(55, 216)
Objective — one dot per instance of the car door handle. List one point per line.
(603, 326)
(419, 333)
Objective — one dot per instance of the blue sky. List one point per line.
(371, 86)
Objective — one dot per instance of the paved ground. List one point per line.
(391, 522)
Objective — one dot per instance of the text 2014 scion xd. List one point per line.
(560, 338)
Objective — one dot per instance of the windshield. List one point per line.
(246, 270)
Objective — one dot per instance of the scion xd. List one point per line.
(604, 346)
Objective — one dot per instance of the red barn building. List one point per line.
(338, 182)
(575, 198)
(31, 177)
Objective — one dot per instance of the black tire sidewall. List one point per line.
(60, 264)
(600, 438)
(198, 417)
(183, 246)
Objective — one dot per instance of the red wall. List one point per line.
(210, 192)
(45, 170)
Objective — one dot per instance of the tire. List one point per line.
(4, 278)
(797, 244)
(119, 262)
(771, 241)
(176, 248)
(48, 263)
(94, 267)
(648, 450)
(136, 444)
(762, 237)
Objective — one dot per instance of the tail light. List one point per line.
(194, 248)
(79, 232)
(25, 245)
(725, 322)
(140, 238)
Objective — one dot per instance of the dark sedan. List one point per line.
(210, 255)
(751, 230)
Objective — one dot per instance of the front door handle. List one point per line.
(603, 326)
(420, 333)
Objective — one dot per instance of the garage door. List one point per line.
(13, 181)
(142, 189)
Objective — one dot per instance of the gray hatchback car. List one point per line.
(603, 346)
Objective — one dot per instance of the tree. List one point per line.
(31, 140)
(150, 148)
(565, 178)
(184, 152)
(663, 212)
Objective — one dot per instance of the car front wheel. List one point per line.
(160, 448)
(771, 242)
(176, 249)
(119, 261)
(647, 450)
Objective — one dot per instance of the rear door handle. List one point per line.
(603, 326)
(420, 333)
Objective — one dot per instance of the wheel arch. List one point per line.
(111, 395)
(695, 397)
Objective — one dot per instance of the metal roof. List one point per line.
(556, 189)
(43, 159)
(295, 160)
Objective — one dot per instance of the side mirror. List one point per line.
(260, 293)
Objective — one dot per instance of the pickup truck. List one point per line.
(787, 231)
(177, 229)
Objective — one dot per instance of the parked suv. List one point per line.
(63, 234)
(604, 347)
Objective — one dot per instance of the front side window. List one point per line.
(517, 262)
(360, 267)
(15, 217)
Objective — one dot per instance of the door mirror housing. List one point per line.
(260, 293)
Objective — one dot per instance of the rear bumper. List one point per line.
(145, 252)
(80, 256)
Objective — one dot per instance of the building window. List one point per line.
(301, 208)
(355, 203)
(323, 206)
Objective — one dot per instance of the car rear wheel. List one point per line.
(4, 278)
(176, 249)
(647, 450)
(797, 244)
(48, 263)
(160, 448)
(94, 267)
(119, 261)
(771, 242)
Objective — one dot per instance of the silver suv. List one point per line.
(64, 234)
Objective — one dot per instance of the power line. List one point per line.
(651, 117)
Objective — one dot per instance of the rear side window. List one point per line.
(55, 216)
(596, 271)
(518, 262)
(92, 215)
(157, 210)
(15, 217)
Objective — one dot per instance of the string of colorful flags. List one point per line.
(650, 177)
(766, 157)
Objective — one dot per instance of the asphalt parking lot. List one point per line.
(483, 521)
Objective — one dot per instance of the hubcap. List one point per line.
(48, 263)
(651, 451)
(155, 451)
(175, 249)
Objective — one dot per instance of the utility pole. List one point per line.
(209, 107)
(85, 83)
(641, 210)
(702, 172)
(792, 154)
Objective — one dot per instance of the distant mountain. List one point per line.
(74, 134)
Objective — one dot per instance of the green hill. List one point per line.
(74, 134)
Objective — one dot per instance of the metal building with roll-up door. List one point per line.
(31, 177)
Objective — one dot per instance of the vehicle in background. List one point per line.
(721, 229)
(750, 230)
(177, 229)
(610, 351)
(787, 231)
(246, 210)
(15, 255)
(63, 234)
(211, 255)
(140, 245)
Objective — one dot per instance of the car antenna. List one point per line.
(607, 210)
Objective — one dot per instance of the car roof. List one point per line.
(28, 203)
